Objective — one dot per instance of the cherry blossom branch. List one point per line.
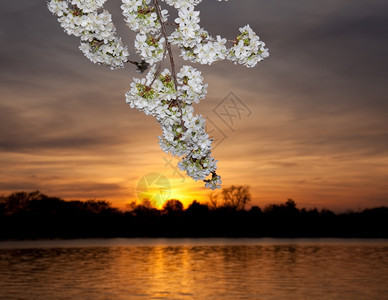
(170, 54)
(171, 103)
(167, 43)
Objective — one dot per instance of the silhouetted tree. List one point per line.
(255, 210)
(48, 206)
(145, 209)
(214, 199)
(327, 213)
(19, 202)
(230, 198)
(290, 207)
(236, 197)
(285, 209)
(35, 215)
(173, 207)
(99, 207)
(197, 209)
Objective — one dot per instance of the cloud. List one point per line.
(318, 104)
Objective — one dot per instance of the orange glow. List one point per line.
(310, 181)
(181, 189)
(275, 169)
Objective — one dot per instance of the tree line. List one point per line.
(35, 215)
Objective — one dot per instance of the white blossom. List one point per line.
(248, 49)
(141, 17)
(192, 88)
(95, 29)
(88, 6)
(151, 49)
(182, 3)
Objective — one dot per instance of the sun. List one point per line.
(154, 187)
(158, 189)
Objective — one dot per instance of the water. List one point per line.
(194, 269)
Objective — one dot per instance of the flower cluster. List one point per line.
(82, 18)
(171, 104)
(141, 16)
(88, 6)
(195, 42)
(192, 88)
(198, 46)
(248, 50)
(150, 49)
(182, 3)
(163, 94)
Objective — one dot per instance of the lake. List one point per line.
(194, 269)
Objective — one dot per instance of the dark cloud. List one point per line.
(70, 190)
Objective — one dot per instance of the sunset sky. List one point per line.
(314, 115)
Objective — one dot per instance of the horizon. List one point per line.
(128, 206)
